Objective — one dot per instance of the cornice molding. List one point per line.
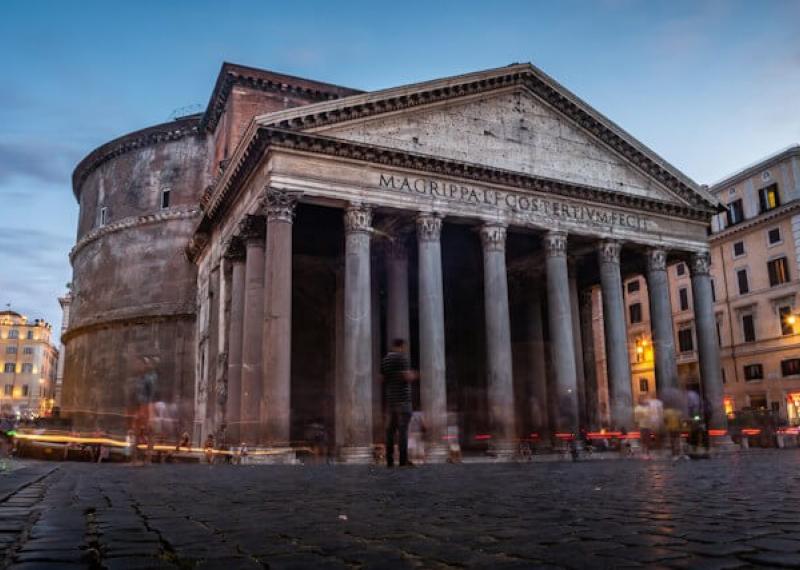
(133, 222)
(525, 76)
(165, 132)
(764, 218)
(266, 81)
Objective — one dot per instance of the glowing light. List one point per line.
(791, 320)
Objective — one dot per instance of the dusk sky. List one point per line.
(710, 86)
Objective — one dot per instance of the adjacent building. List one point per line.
(755, 277)
(28, 371)
(248, 266)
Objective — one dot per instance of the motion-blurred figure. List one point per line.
(453, 443)
(416, 438)
(397, 378)
(208, 448)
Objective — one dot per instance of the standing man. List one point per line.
(397, 378)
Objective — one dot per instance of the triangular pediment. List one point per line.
(514, 118)
(511, 130)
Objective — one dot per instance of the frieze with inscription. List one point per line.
(516, 202)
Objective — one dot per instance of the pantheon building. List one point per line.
(248, 266)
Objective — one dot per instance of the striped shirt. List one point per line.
(397, 389)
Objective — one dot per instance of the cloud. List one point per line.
(39, 160)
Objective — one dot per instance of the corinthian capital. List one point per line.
(700, 263)
(279, 204)
(555, 244)
(656, 259)
(609, 251)
(358, 219)
(252, 228)
(429, 227)
(493, 237)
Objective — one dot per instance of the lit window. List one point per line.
(729, 407)
(753, 372)
(644, 385)
(774, 236)
(778, 270)
(738, 249)
(748, 328)
(787, 320)
(790, 367)
(741, 278)
(768, 198)
(635, 313)
(9, 368)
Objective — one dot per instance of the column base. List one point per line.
(356, 455)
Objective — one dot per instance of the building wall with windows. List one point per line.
(755, 270)
(27, 366)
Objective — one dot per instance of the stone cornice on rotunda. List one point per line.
(165, 132)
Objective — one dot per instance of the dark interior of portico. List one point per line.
(318, 282)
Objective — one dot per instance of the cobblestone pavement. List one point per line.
(736, 511)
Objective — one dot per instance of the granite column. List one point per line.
(616, 334)
(235, 255)
(433, 380)
(356, 421)
(252, 230)
(276, 382)
(500, 384)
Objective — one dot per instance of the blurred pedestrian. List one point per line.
(453, 443)
(208, 448)
(184, 442)
(416, 438)
(641, 414)
(397, 378)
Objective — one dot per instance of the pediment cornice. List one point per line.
(523, 76)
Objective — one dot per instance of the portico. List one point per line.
(403, 213)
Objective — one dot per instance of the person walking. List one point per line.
(397, 379)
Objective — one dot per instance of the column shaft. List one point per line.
(397, 315)
(500, 384)
(252, 330)
(433, 379)
(562, 343)
(233, 413)
(537, 369)
(577, 340)
(277, 342)
(590, 373)
(661, 327)
(357, 365)
(617, 356)
(707, 345)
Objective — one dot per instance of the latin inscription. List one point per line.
(517, 202)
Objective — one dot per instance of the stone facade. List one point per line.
(304, 262)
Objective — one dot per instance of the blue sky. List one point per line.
(709, 85)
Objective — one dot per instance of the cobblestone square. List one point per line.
(738, 510)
